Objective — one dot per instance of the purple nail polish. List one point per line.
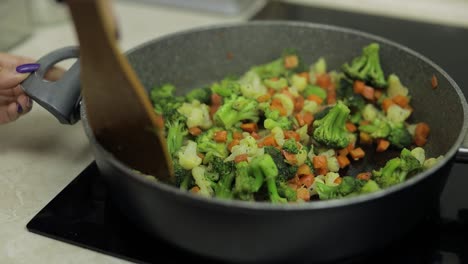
(19, 109)
(29, 67)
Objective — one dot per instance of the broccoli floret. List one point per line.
(291, 146)
(266, 166)
(396, 170)
(227, 87)
(400, 137)
(287, 192)
(248, 181)
(197, 114)
(366, 67)
(298, 82)
(207, 145)
(349, 185)
(271, 69)
(202, 94)
(274, 119)
(330, 130)
(164, 101)
(369, 187)
(226, 172)
(235, 109)
(286, 171)
(345, 92)
(182, 176)
(378, 128)
(176, 133)
(202, 180)
(315, 90)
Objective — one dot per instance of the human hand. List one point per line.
(13, 70)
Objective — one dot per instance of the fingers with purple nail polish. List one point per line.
(28, 67)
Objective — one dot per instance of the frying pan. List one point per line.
(320, 231)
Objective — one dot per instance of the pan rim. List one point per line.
(315, 205)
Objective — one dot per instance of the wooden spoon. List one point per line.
(118, 108)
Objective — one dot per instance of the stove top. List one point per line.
(82, 213)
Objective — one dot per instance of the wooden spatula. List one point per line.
(118, 108)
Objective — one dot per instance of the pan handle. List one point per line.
(462, 153)
(61, 98)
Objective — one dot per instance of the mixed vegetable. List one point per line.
(289, 132)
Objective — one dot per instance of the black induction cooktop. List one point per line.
(82, 214)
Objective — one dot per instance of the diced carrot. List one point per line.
(237, 135)
(291, 158)
(240, 158)
(351, 127)
(233, 143)
(216, 99)
(292, 134)
(343, 152)
(364, 176)
(271, 91)
(434, 82)
(263, 98)
(282, 111)
(358, 86)
(303, 194)
(249, 127)
(343, 161)
(294, 181)
(350, 146)
(338, 180)
(299, 103)
(315, 98)
(269, 141)
(357, 153)
(319, 162)
(331, 96)
(195, 131)
(300, 119)
(365, 138)
(377, 94)
(382, 145)
(213, 110)
(308, 118)
(195, 189)
(255, 135)
(401, 100)
(368, 92)
(307, 180)
(421, 133)
(291, 61)
(303, 170)
(323, 80)
(321, 171)
(220, 136)
(276, 102)
(386, 103)
(305, 75)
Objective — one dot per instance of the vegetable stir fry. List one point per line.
(287, 132)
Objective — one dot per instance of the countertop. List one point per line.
(39, 156)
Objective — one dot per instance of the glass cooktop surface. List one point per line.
(82, 214)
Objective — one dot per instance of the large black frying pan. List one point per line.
(248, 231)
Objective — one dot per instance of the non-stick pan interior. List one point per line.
(196, 58)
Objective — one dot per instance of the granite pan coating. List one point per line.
(256, 232)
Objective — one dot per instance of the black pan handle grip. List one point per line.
(61, 98)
